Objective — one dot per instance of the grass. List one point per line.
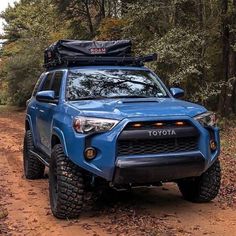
(8, 108)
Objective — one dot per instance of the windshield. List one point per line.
(112, 83)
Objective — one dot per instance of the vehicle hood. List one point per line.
(127, 108)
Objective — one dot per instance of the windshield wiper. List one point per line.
(91, 97)
(111, 97)
(131, 96)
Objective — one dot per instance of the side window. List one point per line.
(56, 85)
(47, 82)
(36, 87)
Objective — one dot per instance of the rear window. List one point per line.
(47, 82)
(56, 85)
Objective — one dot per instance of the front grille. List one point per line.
(156, 146)
(151, 124)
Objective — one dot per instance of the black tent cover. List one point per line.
(62, 49)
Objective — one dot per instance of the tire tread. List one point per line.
(70, 186)
(204, 188)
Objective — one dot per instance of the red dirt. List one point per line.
(24, 204)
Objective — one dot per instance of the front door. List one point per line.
(46, 111)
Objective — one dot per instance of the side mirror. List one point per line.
(177, 92)
(47, 96)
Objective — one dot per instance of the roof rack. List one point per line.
(100, 60)
(85, 53)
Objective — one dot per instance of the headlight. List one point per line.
(93, 125)
(206, 119)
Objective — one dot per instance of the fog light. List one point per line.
(90, 153)
(213, 145)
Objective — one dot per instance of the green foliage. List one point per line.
(186, 34)
(31, 27)
(21, 73)
(179, 55)
(111, 29)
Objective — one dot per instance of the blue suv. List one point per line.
(108, 120)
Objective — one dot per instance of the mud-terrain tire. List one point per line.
(33, 168)
(203, 188)
(66, 185)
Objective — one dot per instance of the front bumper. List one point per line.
(142, 168)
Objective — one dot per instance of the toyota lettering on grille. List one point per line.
(165, 132)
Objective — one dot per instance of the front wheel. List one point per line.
(66, 185)
(203, 188)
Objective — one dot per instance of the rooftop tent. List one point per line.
(76, 52)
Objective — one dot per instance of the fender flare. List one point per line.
(28, 119)
(57, 132)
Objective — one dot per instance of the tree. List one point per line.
(31, 27)
(228, 93)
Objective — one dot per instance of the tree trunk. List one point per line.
(203, 48)
(174, 13)
(233, 59)
(102, 6)
(201, 13)
(89, 18)
(225, 59)
(109, 8)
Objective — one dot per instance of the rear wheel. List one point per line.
(33, 168)
(66, 185)
(203, 188)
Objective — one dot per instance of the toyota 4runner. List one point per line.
(97, 115)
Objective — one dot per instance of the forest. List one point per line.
(195, 41)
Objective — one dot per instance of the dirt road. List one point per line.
(24, 205)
